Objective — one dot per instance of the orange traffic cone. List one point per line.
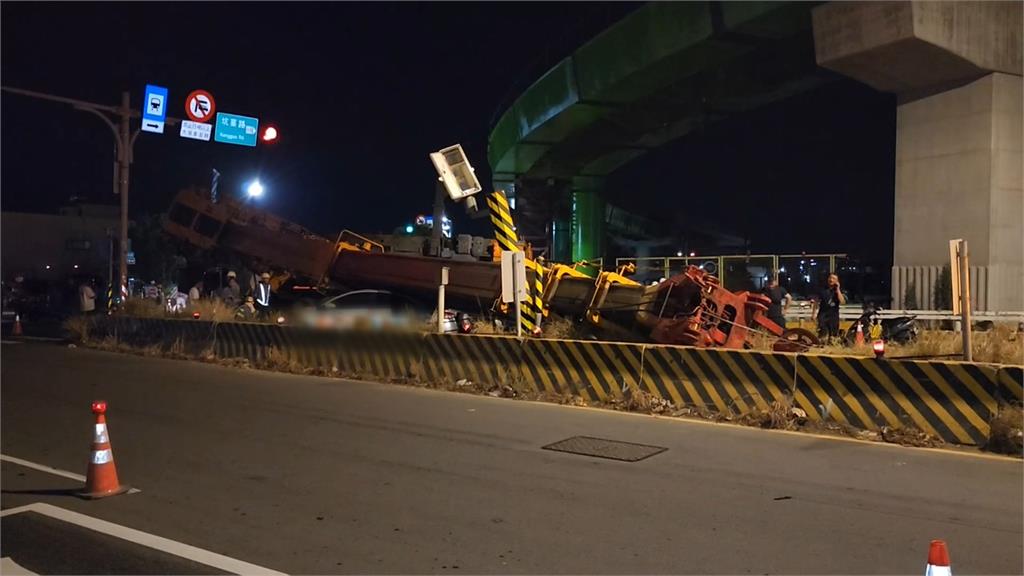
(938, 560)
(101, 479)
(859, 339)
(16, 329)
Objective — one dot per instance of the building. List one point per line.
(74, 241)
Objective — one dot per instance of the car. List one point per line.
(380, 310)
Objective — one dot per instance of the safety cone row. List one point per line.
(938, 560)
(101, 479)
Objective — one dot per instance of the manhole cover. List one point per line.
(601, 448)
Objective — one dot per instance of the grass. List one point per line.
(1003, 344)
(207, 309)
(1007, 433)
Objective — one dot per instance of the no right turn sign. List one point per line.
(200, 106)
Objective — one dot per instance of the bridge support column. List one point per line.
(956, 69)
(588, 218)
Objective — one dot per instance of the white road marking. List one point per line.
(9, 342)
(42, 338)
(146, 539)
(8, 566)
(51, 470)
(42, 467)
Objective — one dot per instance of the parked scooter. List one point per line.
(901, 330)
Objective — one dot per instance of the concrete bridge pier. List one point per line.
(956, 69)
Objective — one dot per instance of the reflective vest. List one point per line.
(263, 294)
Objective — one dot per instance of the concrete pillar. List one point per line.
(956, 68)
(588, 218)
(958, 175)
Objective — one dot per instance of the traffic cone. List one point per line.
(101, 479)
(16, 329)
(938, 560)
(859, 339)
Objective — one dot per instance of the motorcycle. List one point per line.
(901, 330)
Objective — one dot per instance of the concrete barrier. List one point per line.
(954, 401)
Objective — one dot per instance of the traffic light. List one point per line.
(269, 134)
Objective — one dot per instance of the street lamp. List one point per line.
(255, 189)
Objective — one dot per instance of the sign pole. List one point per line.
(965, 301)
(516, 259)
(440, 299)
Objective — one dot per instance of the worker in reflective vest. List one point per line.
(263, 295)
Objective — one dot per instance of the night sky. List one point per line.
(363, 92)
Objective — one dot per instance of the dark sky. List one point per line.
(812, 173)
(363, 92)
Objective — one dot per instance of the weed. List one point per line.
(1007, 431)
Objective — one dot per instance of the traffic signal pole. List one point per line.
(125, 146)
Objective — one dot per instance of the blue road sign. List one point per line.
(235, 129)
(154, 109)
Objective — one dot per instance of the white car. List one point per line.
(378, 310)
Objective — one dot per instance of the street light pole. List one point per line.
(125, 145)
(125, 140)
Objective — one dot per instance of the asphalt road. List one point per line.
(314, 475)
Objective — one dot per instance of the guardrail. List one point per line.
(801, 311)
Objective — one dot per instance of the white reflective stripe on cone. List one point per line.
(100, 437)
(102, 456)
(933, 570)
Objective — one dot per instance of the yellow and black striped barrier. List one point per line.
(1009, 380)
(724, 381)
(954, 401)
(951, 400)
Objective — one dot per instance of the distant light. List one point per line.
(409, 229)
(76, 266)
(270, 134)
(807, 277)
(47, 266)
(680, 253)
(803, 262)
(692, 254)
(255, 189)
(782, 269)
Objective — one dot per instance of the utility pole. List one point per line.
(124, 138)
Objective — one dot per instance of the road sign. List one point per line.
(200, 106)
(235, 129)
(513, 263)
(131, 258)
(154, 109)
(196, 130)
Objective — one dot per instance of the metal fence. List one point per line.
(802, 274)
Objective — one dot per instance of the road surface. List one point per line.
(315, 475)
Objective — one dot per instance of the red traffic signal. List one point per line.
(269, 134)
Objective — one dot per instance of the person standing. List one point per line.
(86, 298)
(196, 292)
(232, 292)
(828, 309)
(780, 302)
(263, 294)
